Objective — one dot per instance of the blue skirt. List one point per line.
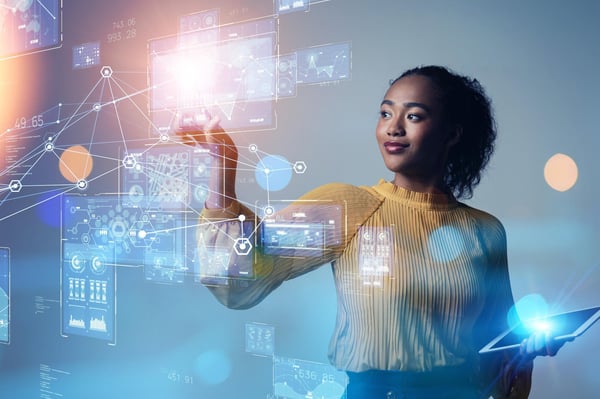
(442, 383)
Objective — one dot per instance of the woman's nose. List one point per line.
(396, 129)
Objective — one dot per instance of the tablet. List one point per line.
(562, 326)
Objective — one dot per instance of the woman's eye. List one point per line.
(413, 117)
(384, 114)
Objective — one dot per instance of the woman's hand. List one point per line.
(224, 154)
(210, 136)
(540, 344)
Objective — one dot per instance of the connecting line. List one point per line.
(31, 166)
(52, 197)
(214, 224)
(48, 11)
(130, 98)
(124, 265)
(36, 204)
(68, 122)
(33, 153)
(171, 229)
(117, 115)
(97, 116)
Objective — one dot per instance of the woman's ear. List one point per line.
(455, 135)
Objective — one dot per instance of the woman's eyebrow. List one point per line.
(410, 104)
(416, 104)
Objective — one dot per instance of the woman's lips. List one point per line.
(393, 147)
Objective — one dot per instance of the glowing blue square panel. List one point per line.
(208, 19)
(228, 261)
(88, 291)
(296, 378)
(287, 69)
(233, 76)
(289, 6)
(172, 176)
(304, 229)
(4, 295)
(86, 55)
(30, 26)
(90, 239)
(327, 63)
(260, 339)
(129, 233)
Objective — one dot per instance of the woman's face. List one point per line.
(412, 132)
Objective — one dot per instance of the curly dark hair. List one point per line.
(466, 105)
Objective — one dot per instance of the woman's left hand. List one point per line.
(540, 344)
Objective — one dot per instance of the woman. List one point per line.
(410, 320)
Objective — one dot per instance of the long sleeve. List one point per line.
(506, 374)
(343, 205)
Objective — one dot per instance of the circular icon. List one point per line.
(98, 265)
(77, 264)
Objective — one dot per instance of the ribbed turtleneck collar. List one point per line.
(415, 199)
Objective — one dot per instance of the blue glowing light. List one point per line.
(48, 208)
(446, 243)
(213, 367)
(273, 173)
(530, 307)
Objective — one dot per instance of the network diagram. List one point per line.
(148, 220)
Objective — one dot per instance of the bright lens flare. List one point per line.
(561, 172)
(194, 72)
(75, 164)
(538, 326)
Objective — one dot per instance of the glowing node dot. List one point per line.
(267, 171)
(142, 234)
(561, 172)
(269, 210)
(82, 184)
(242, 218)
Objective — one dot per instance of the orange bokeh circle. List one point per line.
(75, 163)
(561, 172)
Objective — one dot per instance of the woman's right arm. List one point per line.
(225, 222)
(238, 279)
(224, 155)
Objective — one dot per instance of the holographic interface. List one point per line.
(302, 229)
(295, 378)
(29, 26)
(4, 295)
(228, 71)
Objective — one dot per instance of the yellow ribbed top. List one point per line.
(422, 280)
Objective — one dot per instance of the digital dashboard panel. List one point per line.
(301, 379)
(302, 229)
(29, 26)
(4, 295)
(228, 71)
